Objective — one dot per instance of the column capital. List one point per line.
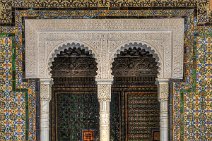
(163, 94)
(45, 89)
(104, 81)
(104, 92)
(162, 80)
(163, 89)
(46, 81)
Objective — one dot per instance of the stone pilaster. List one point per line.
(45, 97)
(104, 97)
(163, 93)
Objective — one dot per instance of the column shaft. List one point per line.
(163, 93)
(104, 120)
(45, 97)
(44, 120)
(163, 121)
(104, 97)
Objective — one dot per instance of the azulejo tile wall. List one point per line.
(192, 116)
(15, 101)
(190, 99)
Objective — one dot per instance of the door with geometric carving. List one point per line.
(134, 102)
(74, 103)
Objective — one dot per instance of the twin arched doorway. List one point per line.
(104, 38)
(134, 108)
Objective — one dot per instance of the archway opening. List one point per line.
(135, 109)
(74, 104)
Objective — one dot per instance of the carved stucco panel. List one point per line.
(97, 35)
(31, 44)
(104, 24)
(57, 40)
(160, 43)
(177, 57)
(103, 46)
(167, 55)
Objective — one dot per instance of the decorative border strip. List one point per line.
(9, 7)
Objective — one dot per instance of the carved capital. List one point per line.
(104, 90)
(45, 89)
(163, 89)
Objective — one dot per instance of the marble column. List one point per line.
(104, 98)
(163, 93)
(45, 97)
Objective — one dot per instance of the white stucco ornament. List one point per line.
(105, 38)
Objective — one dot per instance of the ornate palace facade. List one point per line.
(105, 70)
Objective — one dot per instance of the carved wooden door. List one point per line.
(75, 110)
(134, 103)
(74, 104)
(134, 113)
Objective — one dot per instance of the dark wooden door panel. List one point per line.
(134, 114)
(74, 110)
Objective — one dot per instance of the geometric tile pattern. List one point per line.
(8, 7)
(12, 103)
(191, 99)
(15, 119)
(203, 96)
(192, 112)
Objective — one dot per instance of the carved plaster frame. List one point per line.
(105, 38)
